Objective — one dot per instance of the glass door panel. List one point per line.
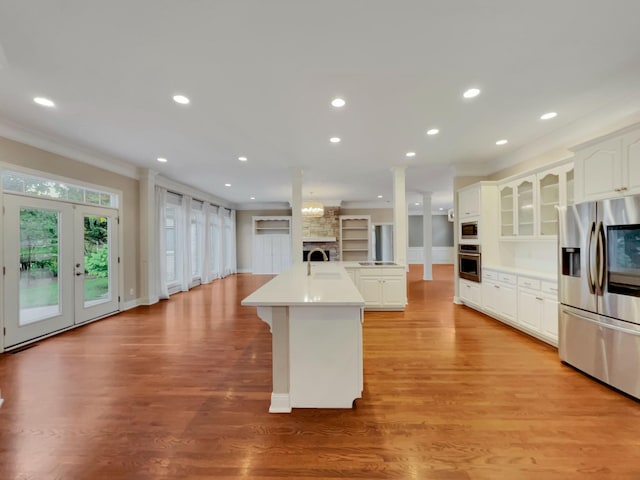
(38, 252)
(549, 195)
(96, 262)
(525, 208)
(506, 212)
(39, 296)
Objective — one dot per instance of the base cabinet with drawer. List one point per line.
(499, 294)
(470, 293)
(520, 300)
(383, 288)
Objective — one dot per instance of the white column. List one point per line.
(148, 294)
(400, 218)
(296, 215)
(427, 235)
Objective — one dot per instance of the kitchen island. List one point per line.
(316, 327)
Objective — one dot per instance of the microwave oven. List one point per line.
(469, 230)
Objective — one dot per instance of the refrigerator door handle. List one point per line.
(601, 258)
(590, 281)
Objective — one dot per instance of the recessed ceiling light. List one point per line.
(433, 131)
(334, 139)
(411, 154)
(227, 184)
(548, 116)
(162, 160)
(417, 203)
(252, 198)
(45, 102)
(379, 196)
(180, 99)
(242, 159)
(338, 102)
(441, 208)
(472, 92)
(502, 142)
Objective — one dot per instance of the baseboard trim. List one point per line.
(280, 403)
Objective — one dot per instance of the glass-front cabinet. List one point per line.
(507, 214)
(526, 213)
(549, 197)
(529, 205)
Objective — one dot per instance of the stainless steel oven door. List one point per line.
(469, 266)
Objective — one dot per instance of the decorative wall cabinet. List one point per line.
(271, 244)
(355, 238)
(529, 205)
(609, 166)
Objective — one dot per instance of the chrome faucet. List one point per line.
(324, 258)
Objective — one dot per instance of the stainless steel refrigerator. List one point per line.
(599, 280)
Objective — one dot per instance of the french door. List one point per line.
(61, 266)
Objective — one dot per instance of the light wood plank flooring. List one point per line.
(180, 390)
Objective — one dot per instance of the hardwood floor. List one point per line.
(180, 390)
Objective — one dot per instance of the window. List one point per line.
(32, 185)
(196, 234)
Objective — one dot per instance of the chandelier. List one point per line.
(312, 209)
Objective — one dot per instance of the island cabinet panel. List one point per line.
(315, 321)
(325, 356)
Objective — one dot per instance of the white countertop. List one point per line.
(329, 284)
(551, 277)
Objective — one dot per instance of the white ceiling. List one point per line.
(261, 75)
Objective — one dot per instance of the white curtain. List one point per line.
(233, 261)
(222, 266)
(161, 254)
(207, 257)
(185, 236)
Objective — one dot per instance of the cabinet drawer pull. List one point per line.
(539, 298)
(496, 286)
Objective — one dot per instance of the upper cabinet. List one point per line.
(526, 212)
(529, 205)
(609, 166)
(507, 212)
(469, 201)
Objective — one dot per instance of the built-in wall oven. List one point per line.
(469, 262)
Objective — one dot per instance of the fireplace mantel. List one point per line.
(318, 239)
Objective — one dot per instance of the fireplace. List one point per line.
(316, 256)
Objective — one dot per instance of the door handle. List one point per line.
(601, 258)
(590, 281)
(78, 274)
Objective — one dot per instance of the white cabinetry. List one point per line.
(538, 308)
(383, 288)
(499, 294)
(355, 238)
(609, 166)
(522, 300)
(470, 293)
(469, 201)
(271, 244)
(529, 205)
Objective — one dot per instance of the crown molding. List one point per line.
(38, 140)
